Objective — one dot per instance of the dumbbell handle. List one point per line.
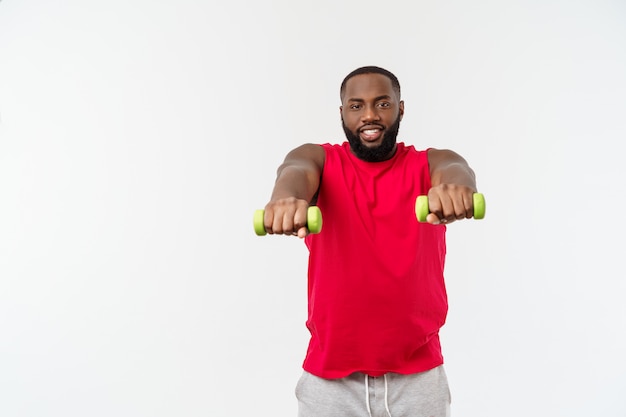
(313, 221)
(422, 210)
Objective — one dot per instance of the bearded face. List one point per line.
(381, 152)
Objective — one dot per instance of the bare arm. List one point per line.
(297, 182)
(453, 186)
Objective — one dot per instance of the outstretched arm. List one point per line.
(297, 182)
(453, 185)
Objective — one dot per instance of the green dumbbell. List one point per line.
(422, 210)
(313, 221)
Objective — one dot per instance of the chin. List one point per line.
(371, 145)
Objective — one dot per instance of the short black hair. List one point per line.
(371, 70)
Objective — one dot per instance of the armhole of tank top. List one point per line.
(325, 147)
(427, 184)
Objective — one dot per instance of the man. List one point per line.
(376, 289)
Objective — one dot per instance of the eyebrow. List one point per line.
(360, 100)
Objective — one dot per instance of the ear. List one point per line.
(401, 109)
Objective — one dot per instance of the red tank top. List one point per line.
(376, 291)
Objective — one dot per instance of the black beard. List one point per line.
(379, 153)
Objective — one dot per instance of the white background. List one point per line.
(138, 137)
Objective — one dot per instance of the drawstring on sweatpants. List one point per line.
(367, 395)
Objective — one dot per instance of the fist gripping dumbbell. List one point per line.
(313, 221)
(422, 210)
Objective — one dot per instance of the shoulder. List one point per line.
(410, 152)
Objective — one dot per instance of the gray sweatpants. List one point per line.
(424, 394)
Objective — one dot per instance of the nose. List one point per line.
(370, 114)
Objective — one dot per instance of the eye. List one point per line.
(384, 104)
(355, 106)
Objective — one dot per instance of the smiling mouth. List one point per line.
(371, 135)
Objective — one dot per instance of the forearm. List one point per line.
(448, 167)
(458, 173)
(295, 182)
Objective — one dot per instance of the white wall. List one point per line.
(138, 137)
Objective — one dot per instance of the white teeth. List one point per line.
(370, 131)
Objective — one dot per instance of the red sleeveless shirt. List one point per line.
(376, 291)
